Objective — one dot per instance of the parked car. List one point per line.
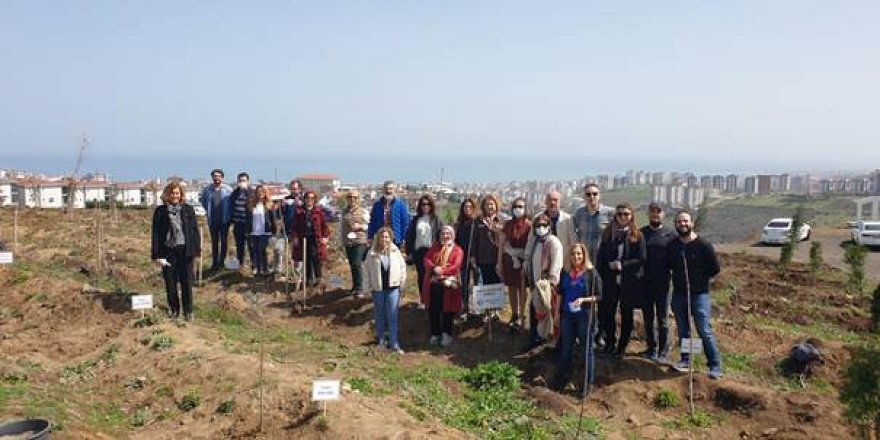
(777, 230)
(866, 233)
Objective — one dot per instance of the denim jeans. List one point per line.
(219, 237)
(386, 304)
(355, 255)
(258, 256)
(701, 308)
(239, 231)
(575, 326)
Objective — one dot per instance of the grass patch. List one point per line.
(686, 422)
(739, 363)
(666, 398)
(227, 407)
(107, 416)
(141, 417)
(161, 342)
(574, 427)
(824, 331)
(190, 401)
(361, 385)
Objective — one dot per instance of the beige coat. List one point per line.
(396, 272)
(565, 232)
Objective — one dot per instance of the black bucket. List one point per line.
(37, 428)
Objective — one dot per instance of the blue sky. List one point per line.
(739, 86)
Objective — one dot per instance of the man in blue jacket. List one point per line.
(389, 211)
(215, 199)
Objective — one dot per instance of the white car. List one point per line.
(866, 233)
(776, 231)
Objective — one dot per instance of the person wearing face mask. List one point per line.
(386, 276)
(657, 293)
(514, 237)
(215, 199)
(561, 223)
(423, 231)
(693, 263)
(464, 238)
(543, 275)
(175, 243)
(239, 199)
(391, 212)
(442, 266)
(353, 231)
(621, 262)
(289, 205)
(310, 225)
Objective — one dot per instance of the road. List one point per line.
(832, 250)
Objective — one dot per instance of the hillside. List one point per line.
(73, 352)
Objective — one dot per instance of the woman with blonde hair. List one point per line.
(175, 243)
(576, 290)
(386, 275)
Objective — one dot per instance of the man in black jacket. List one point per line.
(657, 293)
(693, 263)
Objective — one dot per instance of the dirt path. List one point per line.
(833, 242)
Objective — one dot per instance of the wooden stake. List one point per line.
(305, 272)
(262, 350)
(201, 261)
(15, 233)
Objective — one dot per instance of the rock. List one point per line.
(632, 419)
(769, 432)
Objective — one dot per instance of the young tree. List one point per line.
(791, 245)
(875, 310)
(855, 257)
(815, 258)
(861, 388)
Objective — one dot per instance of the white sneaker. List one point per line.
(435, 340)
(421, 306)
(447, 340)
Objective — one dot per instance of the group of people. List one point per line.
(568, 276)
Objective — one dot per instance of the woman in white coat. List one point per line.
(544, 267)
(386, 275)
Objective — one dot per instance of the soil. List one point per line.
(49, 323)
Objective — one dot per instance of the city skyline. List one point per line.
(745, 87)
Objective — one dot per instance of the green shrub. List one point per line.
(815, 258)
(190, 401)
(855, 257)
(226, 407)
(493, 376)
(140, 417)
(161, 342)
(666, 398)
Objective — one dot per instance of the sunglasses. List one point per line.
(592, 194)
(541, 225)
(519, 206)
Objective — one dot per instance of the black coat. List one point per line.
(631, 287)
(656, 266)
(161, 225)
(436, 226)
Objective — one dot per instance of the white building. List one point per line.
(129, 194)
(7, 196)
(88, 192)
(34, 193)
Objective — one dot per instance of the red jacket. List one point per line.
(299, 232)
(451, 295)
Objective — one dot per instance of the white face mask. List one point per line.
(518, 212)
(542, 231)
(243, 185)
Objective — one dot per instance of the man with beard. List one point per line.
(693, 263)
(657, 294)
(215, 199)
(290, 204)
(391, 212)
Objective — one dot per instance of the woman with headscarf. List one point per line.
(175, 243)
(386, 276)
(514, 238)
(422, 233)
(622, 254)
(309, 224)
(464, 238)
(545, 265)
(442, 285)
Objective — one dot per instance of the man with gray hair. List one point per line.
(389, 211)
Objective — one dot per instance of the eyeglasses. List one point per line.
(310, 198)
(592, 194)
(519, 206)
(424, 204)
(624, 214)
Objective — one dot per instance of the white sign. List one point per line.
(489, 296)
(686, 345)
(325, 390)
(141, 302)
(5, 257)
(335, 282)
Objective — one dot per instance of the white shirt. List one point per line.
(424, 234)
(259, 220)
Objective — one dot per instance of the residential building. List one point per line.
(320, 183)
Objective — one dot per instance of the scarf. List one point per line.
(442, 257)
(175, 235)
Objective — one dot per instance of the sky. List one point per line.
(488, 90)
